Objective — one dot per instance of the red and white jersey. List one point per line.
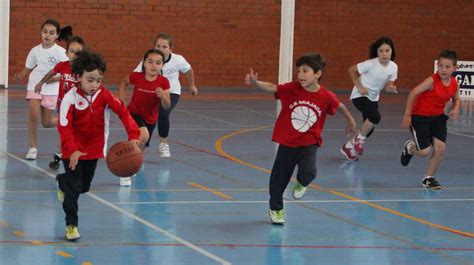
(144, 102)
(303, 113)
(433, 101)
(84, 122)
(67, 79)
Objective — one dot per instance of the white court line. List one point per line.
(133, 216)
(293, 201)
(461, 134)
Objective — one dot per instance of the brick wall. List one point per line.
(223, 38)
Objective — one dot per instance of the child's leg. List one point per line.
(88, 171)
(71, 184)
(144, 136)
(164, 118)
(282, 170)
(439, 148)
(48, 120)
(307, 165)
(35, 108)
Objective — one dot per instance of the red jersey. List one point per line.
(433, 101)
(302, 115)
(67, 79)
(144, 102)
(84, 122)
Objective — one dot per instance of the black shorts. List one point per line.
(424, 128)
(141, 123)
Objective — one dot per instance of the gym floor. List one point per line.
(208, 203)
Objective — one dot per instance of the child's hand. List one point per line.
(17, 77)
(363, 90)
(454, 114)
(74, 158)
(159, 92)
(393, 89)
(351, 129)
(193, 90)
(251, 78)
(38, 88)
(406, 122)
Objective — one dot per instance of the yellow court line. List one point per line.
(213, 191)
(63, 254)
(4, 224)
(37, 243)
(19, 233)
(220, 150)
(87, 263)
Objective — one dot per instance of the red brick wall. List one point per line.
(223, 38)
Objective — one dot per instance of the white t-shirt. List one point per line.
(175, 64)
(43, 60)
(374, 77)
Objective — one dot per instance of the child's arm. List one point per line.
(251, 79)
(351, 124)
(454, 113)
(427, 84)
(354, 74)
(45, 79)
(192, 86)
(19, 76)
(123, 88)
(390, 87)
(164, 96)
(66, 133)
(117, 106)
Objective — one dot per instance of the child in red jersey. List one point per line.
(150, 94)
(305, 105)
(424, 114)
(66, 81)
(83, 126)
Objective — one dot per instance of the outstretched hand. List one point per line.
(251, 78)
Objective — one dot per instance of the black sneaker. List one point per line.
(431, 183)
(405, 157)
(56, 162)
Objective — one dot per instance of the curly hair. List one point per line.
(87, 61)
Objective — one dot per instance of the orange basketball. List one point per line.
(124, 159)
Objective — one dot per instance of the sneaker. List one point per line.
(358, 142)
(56, 162)
(164, 150)
(349, 153)
(277, 217)
(72, 234)
(299, 191)
(406, 157)
(431, 183)
(32, 153)
(126, 182)
(60, 196)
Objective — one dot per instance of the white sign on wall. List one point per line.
(464, 74)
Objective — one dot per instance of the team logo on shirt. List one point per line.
(52, 60)
(303, 115)
(389, 77)
(81, 103)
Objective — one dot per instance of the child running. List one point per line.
(41, 59)
(150, 96)
(173, 65)
(305, 105)
(424, 114)
(83, 126)
(66, 81)
(370, 78)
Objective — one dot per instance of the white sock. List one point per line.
(427, 177)
(360, 136)
(349, 144)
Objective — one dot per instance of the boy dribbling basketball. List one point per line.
(83, 127)
(305, 105)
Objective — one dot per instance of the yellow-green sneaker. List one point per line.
(60, 195)
(72, 234)
(277, 217)
(299, 191)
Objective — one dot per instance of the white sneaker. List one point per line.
(126, 182)
(277, 217)
(299, 191)
(164, 150)
(31, 155)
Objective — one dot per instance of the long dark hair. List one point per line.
(375, 46)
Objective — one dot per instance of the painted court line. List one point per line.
(292, 201)
(213, 191)
(134, 217)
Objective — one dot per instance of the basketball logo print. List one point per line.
(303, 118)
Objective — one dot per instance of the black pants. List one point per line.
(73, 183)
(286, 160)
(369, 110)
(164, 117)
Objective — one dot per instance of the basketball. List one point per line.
(124, 159)
(302, 118)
